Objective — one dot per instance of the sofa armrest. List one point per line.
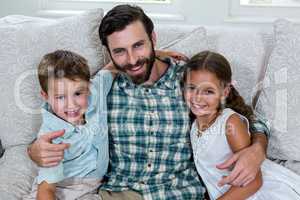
(17, 173)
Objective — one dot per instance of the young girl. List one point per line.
(221, 128)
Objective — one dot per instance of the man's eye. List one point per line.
(119, 51)
(137, 45)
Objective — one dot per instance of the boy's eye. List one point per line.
(59, 97)
(78, 93)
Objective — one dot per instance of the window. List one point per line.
(271, 3)
(263, 10)
(156, 9)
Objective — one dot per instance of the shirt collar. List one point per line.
(55, 122)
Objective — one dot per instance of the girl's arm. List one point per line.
(173, 54)
(238, 139)
(46, 191)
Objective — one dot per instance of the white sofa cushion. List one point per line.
(279, 100)
(23, 42)
(17, 173)
(246, 51)
(190, 43)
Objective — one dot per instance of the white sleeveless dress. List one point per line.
(212, 148)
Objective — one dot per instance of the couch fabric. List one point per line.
(1, 149)
(279, 100)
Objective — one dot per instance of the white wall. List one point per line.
(22, 7)
(195, 11)
(199, 12)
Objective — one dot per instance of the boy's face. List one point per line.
(68, 99)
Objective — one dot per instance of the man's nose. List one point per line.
(132, 58)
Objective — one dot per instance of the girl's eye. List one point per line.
(189, 88)
(208, 92)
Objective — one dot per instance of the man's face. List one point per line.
(132, 51)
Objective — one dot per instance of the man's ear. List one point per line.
(153, 37)
(44, 95)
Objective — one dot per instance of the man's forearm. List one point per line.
(259, 144)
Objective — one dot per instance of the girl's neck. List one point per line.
(204, 122)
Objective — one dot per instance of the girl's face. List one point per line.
(203, 93)
(68, 99)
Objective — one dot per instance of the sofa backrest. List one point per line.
(246, 48)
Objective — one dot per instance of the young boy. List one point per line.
(78, 106)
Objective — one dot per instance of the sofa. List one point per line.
(265, 64)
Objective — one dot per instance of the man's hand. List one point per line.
(246, 164)
(46, 154)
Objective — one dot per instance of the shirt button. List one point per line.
(142, 182)
(151, 150)
(149, 165)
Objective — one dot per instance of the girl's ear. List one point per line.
(226, 90)
(44, 95)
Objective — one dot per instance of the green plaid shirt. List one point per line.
(150, 151)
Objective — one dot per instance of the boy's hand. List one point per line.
(46, 154)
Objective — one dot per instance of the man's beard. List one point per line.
(148, 61)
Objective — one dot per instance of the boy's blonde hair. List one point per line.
(62, 64)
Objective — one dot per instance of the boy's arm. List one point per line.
(46, 191)
(238, 139)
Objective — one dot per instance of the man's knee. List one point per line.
(128, 195)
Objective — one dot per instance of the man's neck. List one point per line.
(158, 70)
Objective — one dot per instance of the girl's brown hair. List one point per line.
(62, 64)
(217, 64)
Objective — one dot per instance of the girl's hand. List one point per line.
(173, 54)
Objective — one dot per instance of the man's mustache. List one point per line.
(139, 62)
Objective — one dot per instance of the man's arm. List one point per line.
(44, 153)
(46, 191)
(247, 162)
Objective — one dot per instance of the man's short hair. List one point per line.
(119, 17)
(62, 64)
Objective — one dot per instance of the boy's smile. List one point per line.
(68, 99)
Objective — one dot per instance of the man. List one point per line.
(150, 153)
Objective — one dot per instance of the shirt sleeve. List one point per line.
(260, 125)
(49, 174)
(101, 82)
